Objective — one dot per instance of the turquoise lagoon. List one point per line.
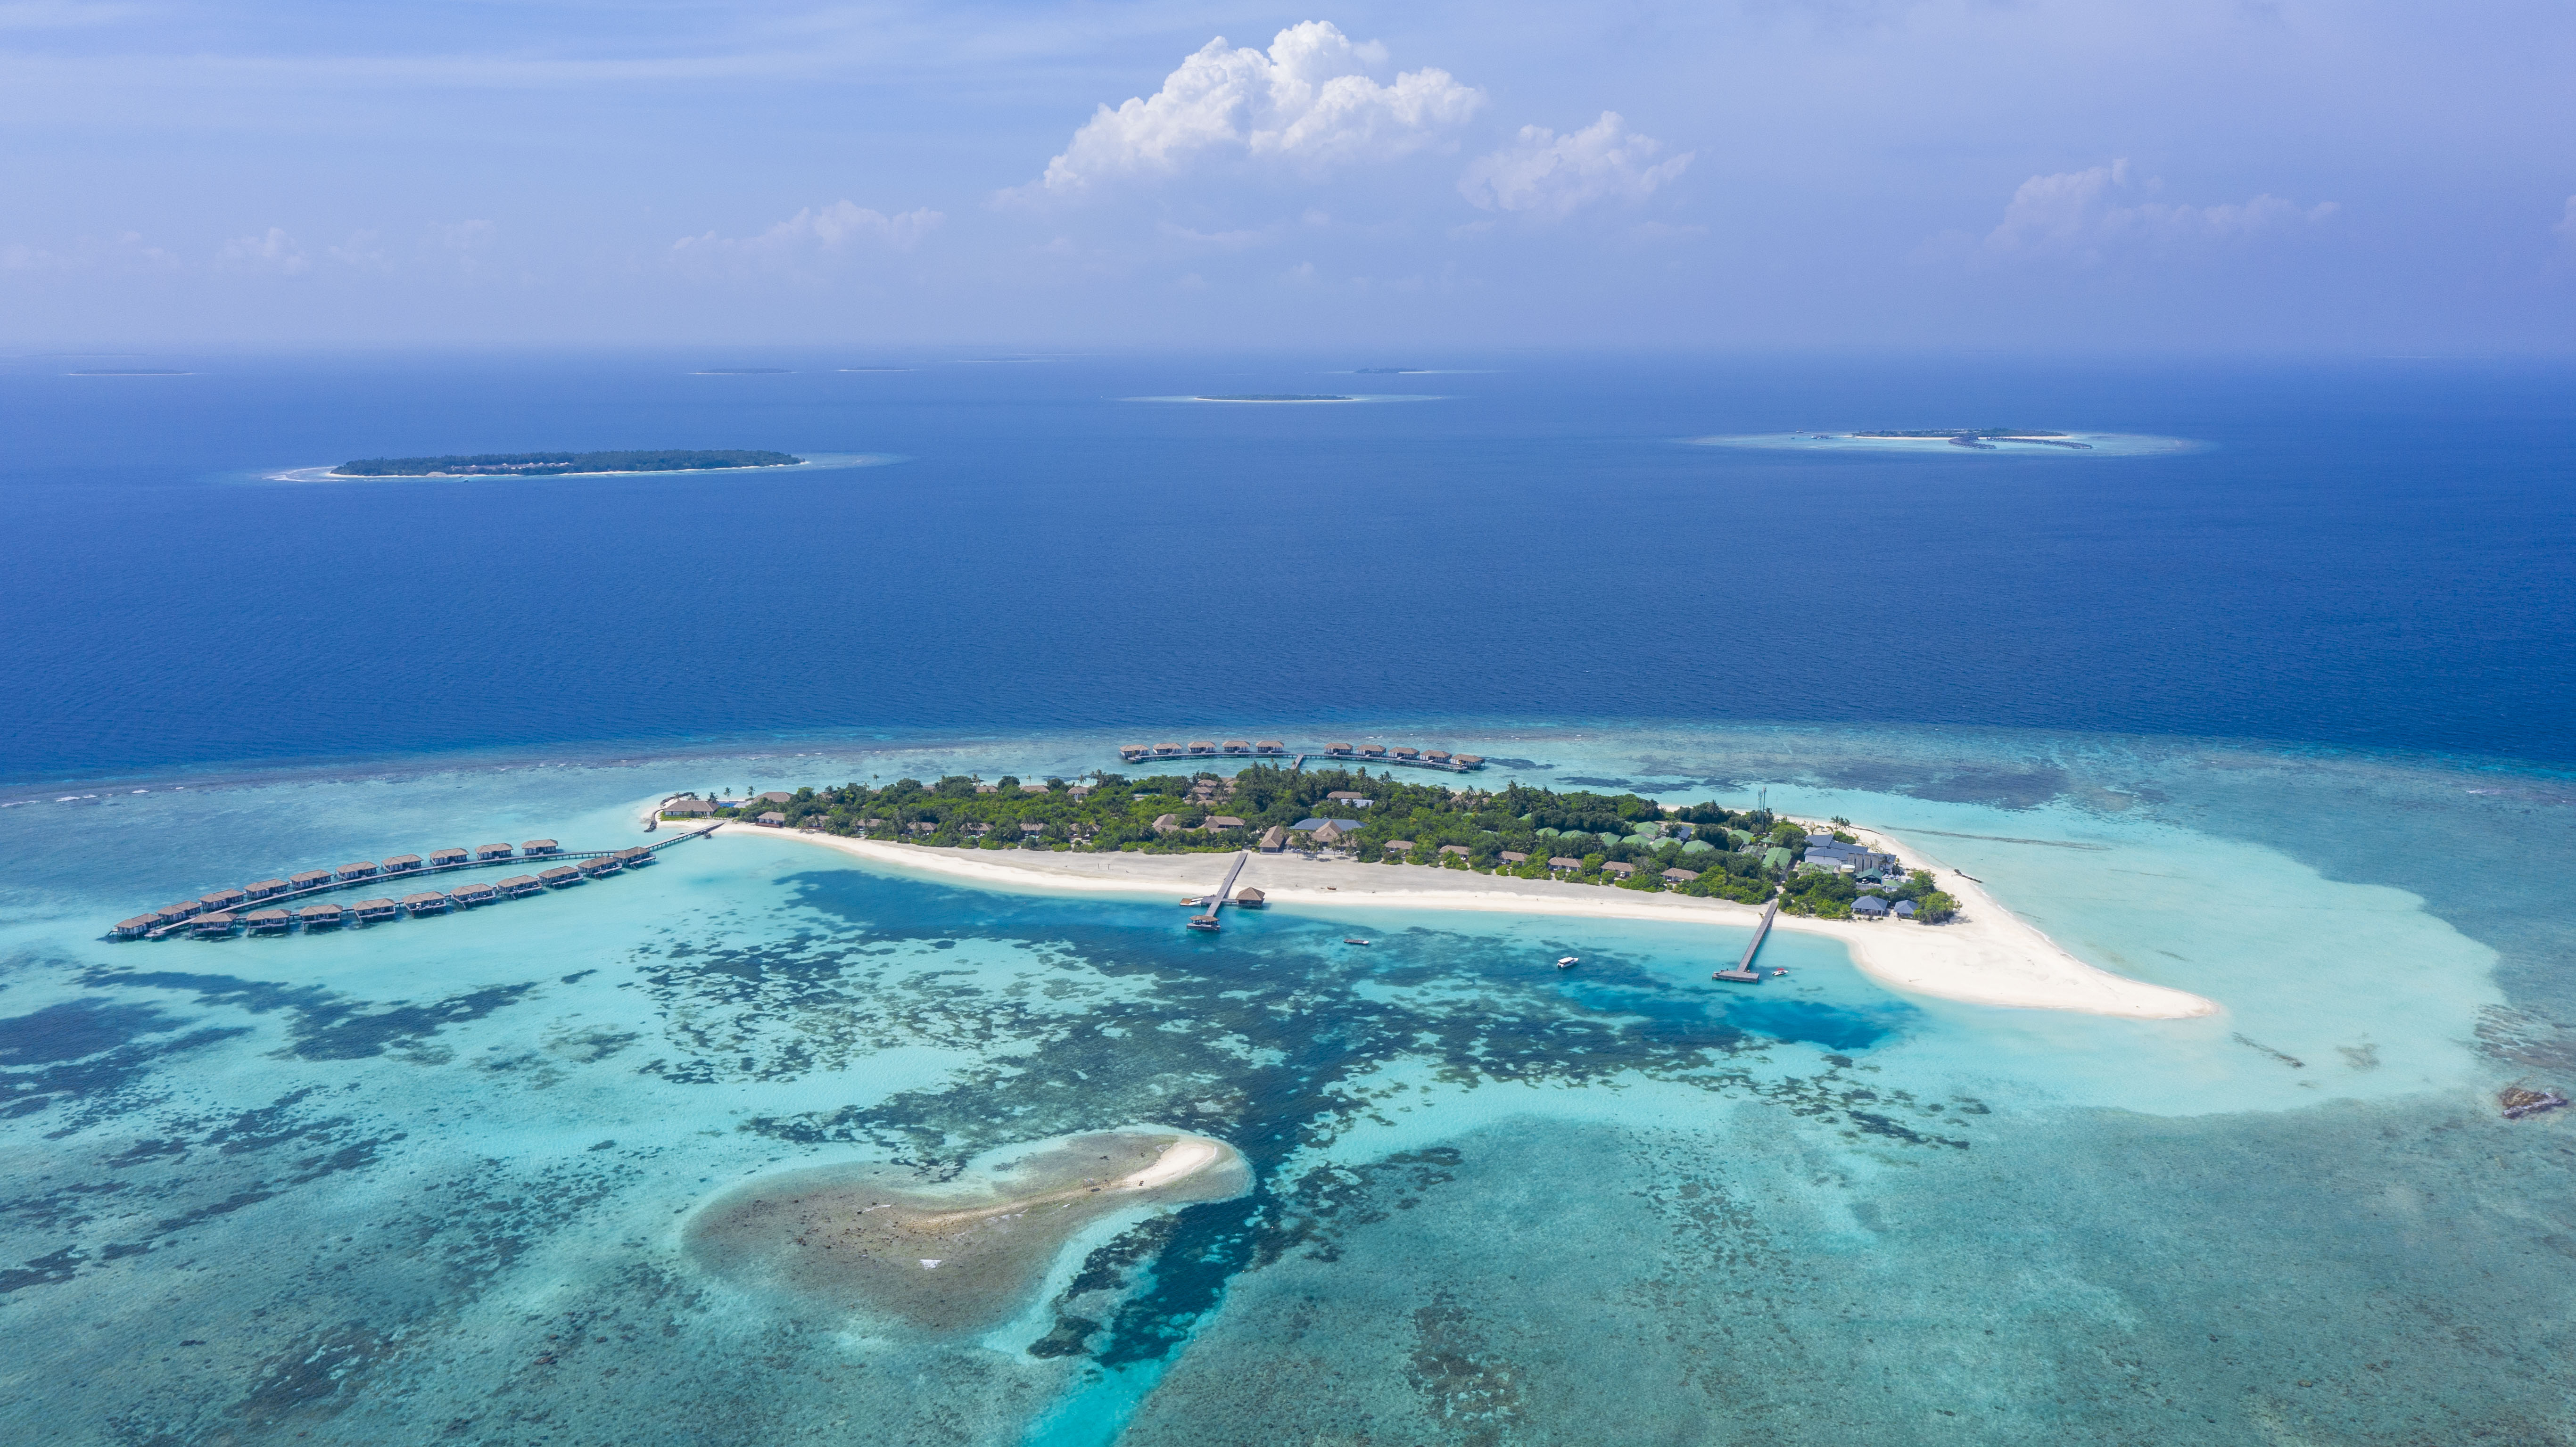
(428, 1181)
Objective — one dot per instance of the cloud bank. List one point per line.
(1544, 174)
(2078, 215)
(1307, 105)
(813, 235)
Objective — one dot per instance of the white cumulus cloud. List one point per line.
(273, 251)
(1307, 104)
(2084, 214)
(1545, 174)
(814, 234)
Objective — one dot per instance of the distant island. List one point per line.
(1983, 437)
(1388, 371)
(1278, 397)
(743, 372)
(557, 464)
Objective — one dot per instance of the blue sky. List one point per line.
(2213, 175)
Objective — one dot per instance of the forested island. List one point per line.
(1982, 438)
(557, 464)
(1621, 840)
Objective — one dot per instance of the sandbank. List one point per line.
(1987, 956)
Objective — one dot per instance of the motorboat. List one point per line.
(1353, 940)
(1569, 962)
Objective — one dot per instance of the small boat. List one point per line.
(1775, 974)
(1569, 962)
(1353, 940)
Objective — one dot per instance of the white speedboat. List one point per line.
(1569, 962)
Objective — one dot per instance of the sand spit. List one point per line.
(946, 1257)
(1986, 957)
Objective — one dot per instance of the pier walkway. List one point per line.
(557, 859)
(1224, 895)
(1744, 973)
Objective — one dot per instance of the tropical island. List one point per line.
(1983, 438)
(1622, 841)
(1277, 397)
(558, 464)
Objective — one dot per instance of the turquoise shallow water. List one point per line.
(427, 1182)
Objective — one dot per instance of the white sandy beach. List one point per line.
(1987, 956)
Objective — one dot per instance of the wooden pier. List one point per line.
(218, 914)
(1744, 973)
(1207, 923)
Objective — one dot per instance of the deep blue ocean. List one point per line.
(2368, 554)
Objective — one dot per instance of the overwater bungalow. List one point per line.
(320, 916)
(442, 858)
(598, 867)
(1436, 756)
(1372, 751)
(402, 864)
(560, 875)
(137, 927)
(535, 847)
(309, 879)
(1470, 761)
(268, 921)
(1237, 746)
(363, 869)
(183, 909)
(266, 888)
(376, 911)
(1270, 747)
(635, 855)
(1408, 754)
(1250, 898)
(213, 926)
(520, 886)
(1202, 746)
(491, 851)
(1339, 751)
(473, 894)
(224, 898)
(1130, 753)
(426, 902)
(1165, 751)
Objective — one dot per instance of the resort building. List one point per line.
(427, 902)
(1250, 898)
(1345, 796)
(375, 911)
(363, 869)
(442, 858)
(266, 888)
(1274, 839)
(1563, 865)
(1271, 747)
(1514, 858)
(491, 851)
(402, 864)
(535, 847)
(1619, 867)
(690, 808)
(1461, 850)
(771, 820)
(309, 879)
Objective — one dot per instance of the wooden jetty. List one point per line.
(1207, 923)
(1744, 973)
(219, 914)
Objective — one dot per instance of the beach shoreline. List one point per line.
(1988, 956)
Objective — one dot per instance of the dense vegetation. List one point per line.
(552, 464)
(1742, 855)
(1962, 432)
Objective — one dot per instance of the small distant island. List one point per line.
(1278, 397)
(1388, 371)
(558, 464)
(1983, 438)
(743, 372)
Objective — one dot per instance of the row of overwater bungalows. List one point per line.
(1204, 749)
(219, 914)
(1272, 749)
